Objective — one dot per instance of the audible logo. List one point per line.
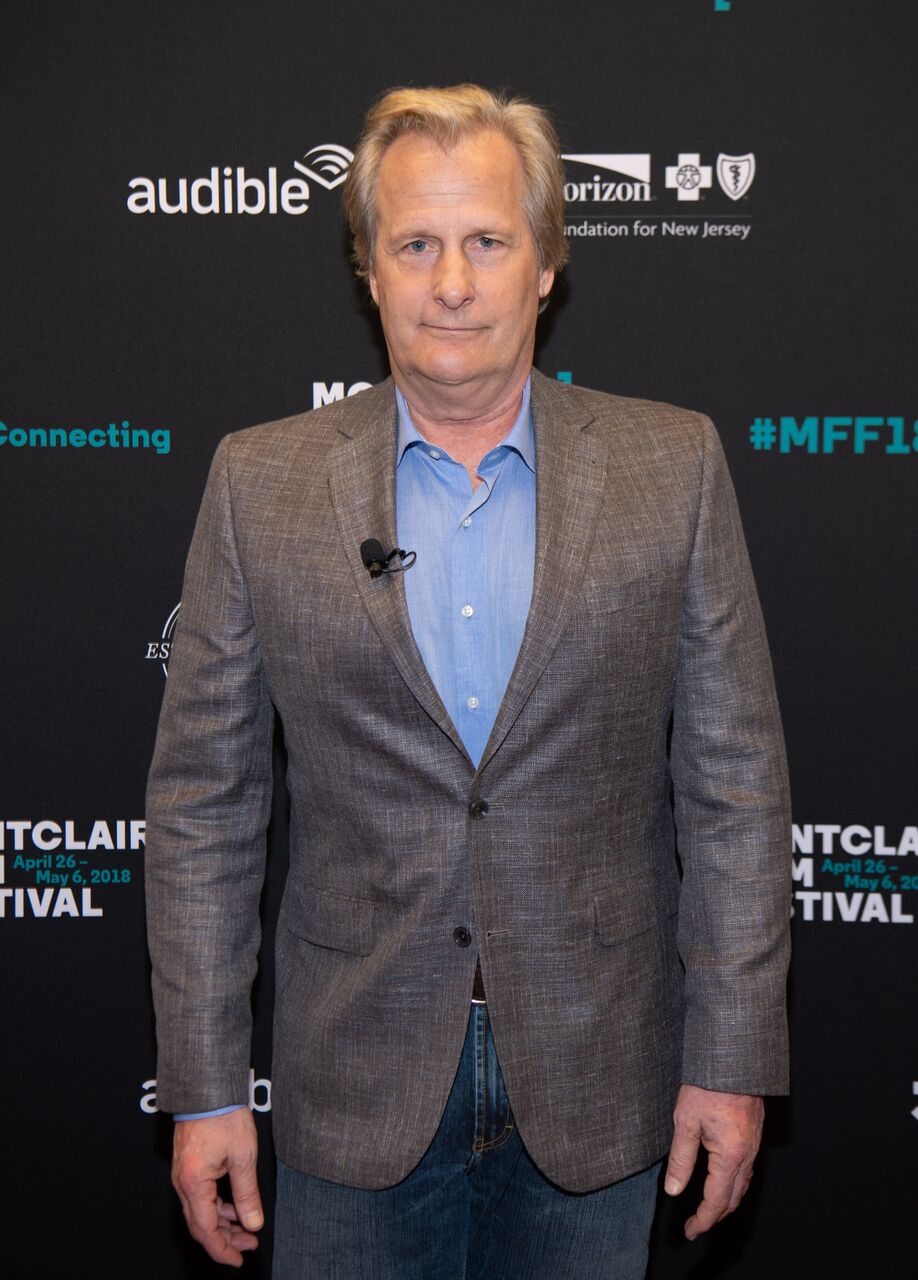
(236, 193)
(231, 190)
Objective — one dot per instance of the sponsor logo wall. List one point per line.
(739, 217)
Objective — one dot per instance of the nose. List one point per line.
(454, 284)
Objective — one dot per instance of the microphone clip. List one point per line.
(378, 563)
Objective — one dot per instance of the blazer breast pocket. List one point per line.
(645, 593)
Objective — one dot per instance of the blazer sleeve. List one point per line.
(208, 805)
(732, 810)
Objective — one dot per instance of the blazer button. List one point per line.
(478, 808)
(462, 935)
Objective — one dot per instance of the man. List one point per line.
(539, 888)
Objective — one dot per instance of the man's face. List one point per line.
(455, 272)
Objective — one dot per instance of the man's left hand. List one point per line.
(729, 1127)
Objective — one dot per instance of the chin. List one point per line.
(451, 372)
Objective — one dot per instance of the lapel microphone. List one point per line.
(377, 562)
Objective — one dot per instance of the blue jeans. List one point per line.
(475, 1208)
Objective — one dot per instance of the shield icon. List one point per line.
(735, 174)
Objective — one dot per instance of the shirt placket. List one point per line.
(470, 614)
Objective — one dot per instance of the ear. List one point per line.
(546, 280)
(374, 288)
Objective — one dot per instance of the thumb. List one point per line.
(682, 1156)
(244, 1182)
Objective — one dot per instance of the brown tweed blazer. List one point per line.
(627, 886)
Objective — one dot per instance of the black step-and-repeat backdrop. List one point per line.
(741, 194)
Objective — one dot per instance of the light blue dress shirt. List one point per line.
(468, 592)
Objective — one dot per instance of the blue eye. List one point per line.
(417, 246)
(486, 242)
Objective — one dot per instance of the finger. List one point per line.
(220, 1242)
(717, 1200)
(707, 1215)
(231, 1229)
(682, 1156)
(226, 1212)
(199, 1204)
(740, 1185)
(241, 1240)
(246, 1200)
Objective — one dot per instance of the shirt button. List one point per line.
(466, 522)
(434, 453)
(478, 808)
(472, 703)
(462, 935)
(467, 611)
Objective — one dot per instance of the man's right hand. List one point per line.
(203, 1151)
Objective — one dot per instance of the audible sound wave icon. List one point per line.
(328, 165)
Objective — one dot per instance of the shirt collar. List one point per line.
(519, 437)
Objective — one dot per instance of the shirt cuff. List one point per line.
(206, 1115)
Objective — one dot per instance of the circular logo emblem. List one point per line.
(688, 177)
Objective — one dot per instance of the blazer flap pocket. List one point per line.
(635, 905)
(330, 919)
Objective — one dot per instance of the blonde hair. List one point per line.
(448, 116)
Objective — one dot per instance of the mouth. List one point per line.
(451, 329)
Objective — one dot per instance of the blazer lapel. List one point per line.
(362, 483)
(570, 476)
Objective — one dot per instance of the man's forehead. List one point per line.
(423, 150)
(416, 166)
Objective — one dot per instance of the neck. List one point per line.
(466, 432)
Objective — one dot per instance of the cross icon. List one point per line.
(688, 175)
